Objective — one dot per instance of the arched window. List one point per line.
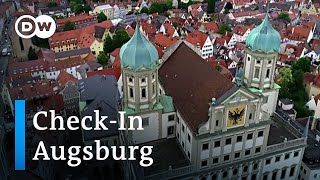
(143, 93)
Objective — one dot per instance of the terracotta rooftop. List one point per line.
(241, 29)
(116, 71)
(211, 26)
(197, 37)
(298, 33)
(192, 92)
(164, 41)
(78, 18)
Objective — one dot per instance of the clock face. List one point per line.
(236, 116)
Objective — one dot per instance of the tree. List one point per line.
(144, 10)
(87, 8)
(158, 8)
(303, 64)
(32, 55)
(108, 45)
(42, 43)
(168, 4)
(211, 6)
(224, 28)
(101, 17)
(103, 59)
(228, 6)
(284, 16)
(73, 4)
(69, 26)
(52, 4)
(78, 8)
(120, 38)
(284, 77)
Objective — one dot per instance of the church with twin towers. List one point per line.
(202, 125)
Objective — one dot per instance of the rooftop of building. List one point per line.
(100, 92)
(192, 92)
(166, 153)
(278, 134)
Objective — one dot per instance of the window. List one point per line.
(277, 158)
(189, 138)
(260, 133)
(286, 156)
(258, 62)
(257, 73)
(217, 143)
(205, 146)
(237, 155)
(255, 166)
(274, 175)
(226, 158)
(292, 171)
(171, 117)
(248, 58)
(249, 136)
(178, 135)
(143, 80)
(143, 93)
(269, 62)
(239, 138)
(235, 172)
(182, 128)
(204, 163)
(170, 130)
(265, 177)
(130, 80)
(268, 74)
(283, 173)
(258, 149)
(178, 120)
(268, 161)
(131, 93)
(247, 152)
(295, 154)
(245, 169)
(254, 177)
(228, 141)
(215, 160)
(250, 116)
(217, 122)
(145, 122)
(225, 174)
(188, 154)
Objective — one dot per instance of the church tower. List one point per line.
(262, 48)
(139, 63)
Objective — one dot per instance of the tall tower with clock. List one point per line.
(262, 48)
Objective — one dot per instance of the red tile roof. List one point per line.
(116, 71)
(39, 89)
(246, 13)
(211, 26)
(115, 52)
(196, 38)
(65, 77)
(170, 30)
(162, 41)
(130, 30)
(82, 18)
(298, 33)
(241, 29)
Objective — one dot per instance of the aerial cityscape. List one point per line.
(160, 89)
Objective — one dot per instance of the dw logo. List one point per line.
(27, 26)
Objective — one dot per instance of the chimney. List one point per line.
(198, 45)
(165, 49)
(292, 31)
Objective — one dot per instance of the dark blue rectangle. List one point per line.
(20, 133)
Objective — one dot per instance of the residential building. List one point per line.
(312, 84)
(79, 21)
(201, 42)
(105, 9)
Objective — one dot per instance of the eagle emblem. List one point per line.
(236, 115)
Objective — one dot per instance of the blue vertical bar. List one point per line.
(20, 135)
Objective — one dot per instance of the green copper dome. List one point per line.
(138, 52)
(264, 38)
